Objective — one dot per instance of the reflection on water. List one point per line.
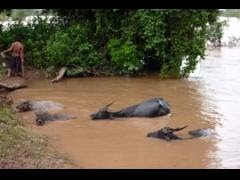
(220, 86)
(208, 99)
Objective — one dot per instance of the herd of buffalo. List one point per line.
(150, 108)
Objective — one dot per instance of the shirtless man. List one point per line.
(16, 61)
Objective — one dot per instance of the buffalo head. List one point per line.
(166, 133)
(103, 113)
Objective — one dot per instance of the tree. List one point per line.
(169, 36)
(121, 41)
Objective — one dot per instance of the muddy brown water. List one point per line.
(208, 99)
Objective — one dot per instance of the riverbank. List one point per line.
(20, 147)
(208, 99)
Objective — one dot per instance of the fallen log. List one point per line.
(61, 73)
(77, 71)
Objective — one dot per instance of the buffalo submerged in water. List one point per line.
(149, 108)
(167, 133)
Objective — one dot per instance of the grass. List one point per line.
(20, 148)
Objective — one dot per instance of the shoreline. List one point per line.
(20, 147)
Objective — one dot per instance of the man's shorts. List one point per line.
(15, 64)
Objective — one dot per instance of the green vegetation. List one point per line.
(34, 35)
(71, 47)
(20, 148)
(124, 55)
(117, 41)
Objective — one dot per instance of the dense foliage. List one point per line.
(71, 47)
(121, 40)
(34, 35)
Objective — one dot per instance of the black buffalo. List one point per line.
(149, 108)
(166, 133)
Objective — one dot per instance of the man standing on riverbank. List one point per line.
(15, 64)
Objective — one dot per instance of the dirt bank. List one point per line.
(19, 146)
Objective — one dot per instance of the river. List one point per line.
(208, 99)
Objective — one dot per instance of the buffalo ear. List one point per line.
(108, 105)
(179, 129)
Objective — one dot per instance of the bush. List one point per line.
(124, 55)
(116, 40)
(34, 34)
(71, 47)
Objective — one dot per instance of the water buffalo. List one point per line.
(149, 108)
(43, 116)
(166, 133)
(30, 105)
(201, 132)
